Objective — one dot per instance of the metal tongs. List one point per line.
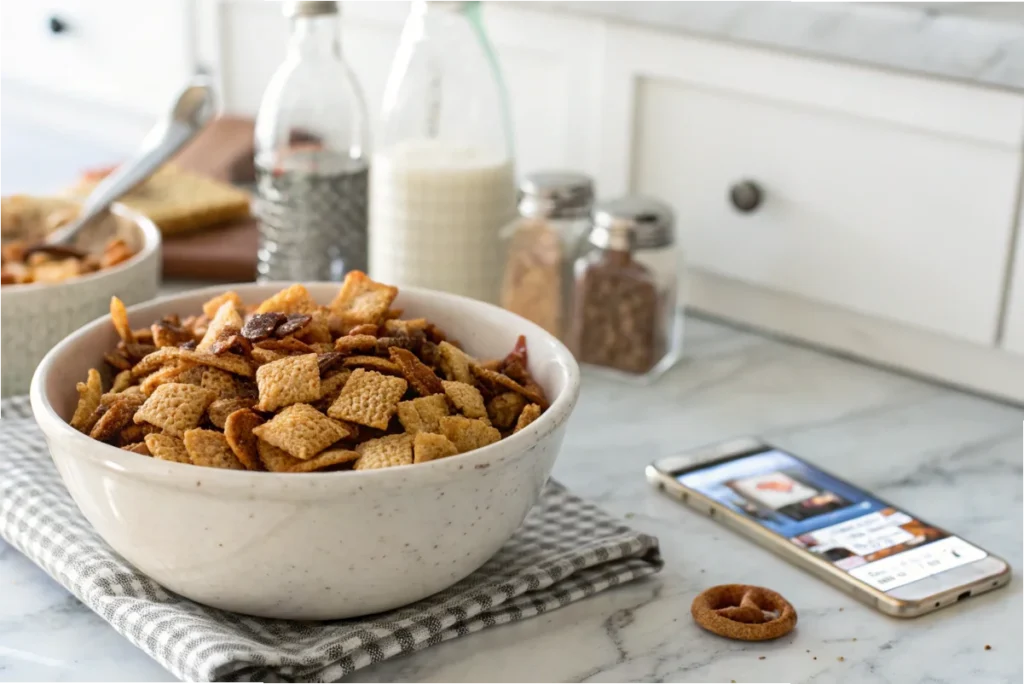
(190, 114)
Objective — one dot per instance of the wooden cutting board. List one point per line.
(226, 253)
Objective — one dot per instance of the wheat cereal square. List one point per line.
(291, 380)
(530, 413)
(368, 398)
(362, 300)
(137, 448)
(505, 408)
(455, 363)
(423, 414)
(468, 434)
(167, 448)
(384, 452)
(302, 431)
(225, 385)
(238, 429)
(210, 448)
(427, 446)
(466, 398)
(175, 407)
(294, 299)
(263, 356)
(325, 459)
(169, 373)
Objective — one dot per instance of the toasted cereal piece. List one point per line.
(229, 362)
(137, 448)
(223, 322)
(263, 356)
(89, 393)
(468, 434)
(136, 432)
(318, 331)
(122, 381)
(466, 398)
(288, 345)
(454, 363)
(405, 328)
(117, 359)
(419, 376)
(530, 413)
(167, 334)
(504, 409)
(330, 387)
(134, 389)
(117, 415)
(423, 414)
(119, 316)
(534, 393)
(328, 360)
(325, 459)
(373, 363)
(167, 448)
(193, 375)
(364, 329)
(161, 357)
(220, 409)
(169, 373)
(323, 348)
(368, 398)
(427, 446)
(291, 380)
(223, 384)
(211, 307)
(362, 300)
(56, 271)
(238, 429)
(294, 299)
(302, 431)
(175, 407)
(210, 448)
(350, 344)
(274, 459)
(384, 452)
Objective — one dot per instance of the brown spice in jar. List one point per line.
(616, 315)
(532, 284)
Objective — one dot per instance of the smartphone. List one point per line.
(867, 547)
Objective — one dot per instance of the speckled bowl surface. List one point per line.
(320, 545)
(35, 317)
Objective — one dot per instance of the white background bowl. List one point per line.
(37, 316)
(310, 546)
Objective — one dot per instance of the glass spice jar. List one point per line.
(624, 315)
(542, 244)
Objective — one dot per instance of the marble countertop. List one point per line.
(980, 43)
(952, 458)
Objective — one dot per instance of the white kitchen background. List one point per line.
(889, 223)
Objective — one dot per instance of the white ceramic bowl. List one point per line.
(310, 546)
(37, 316)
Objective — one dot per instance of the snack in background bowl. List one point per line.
(66, 293)
(287, 385)
(319, 545)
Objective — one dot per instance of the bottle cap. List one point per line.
(633, 221)
(556, 194)
(310, 8)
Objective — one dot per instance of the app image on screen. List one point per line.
(873, 542)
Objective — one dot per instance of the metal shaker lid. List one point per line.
(310, 8)
(634, 221)
(556, 194)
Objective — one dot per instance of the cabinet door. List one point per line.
(874, 198)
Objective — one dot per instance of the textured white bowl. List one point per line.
(35, 317)
(310, 546)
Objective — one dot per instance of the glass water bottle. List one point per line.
(312, 152)
(442, 179)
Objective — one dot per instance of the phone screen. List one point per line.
(874, 542)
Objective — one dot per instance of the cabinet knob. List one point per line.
(57, 25)
(746, 196)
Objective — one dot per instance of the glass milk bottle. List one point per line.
(312, 149)
(442, 183)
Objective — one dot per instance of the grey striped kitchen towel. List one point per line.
(566, 550)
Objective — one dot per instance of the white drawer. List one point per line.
(124, 53)
(885, 194)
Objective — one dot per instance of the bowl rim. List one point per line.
(134, 465)
(151, 241)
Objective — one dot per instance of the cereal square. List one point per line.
(466, 398)
(275, 460)
(225, 385)
(291, 380)
(89, 393)
(238, 429)
(167, 448)
(363, 300)
(384, 452)
(210, 448)
(504, 409)
(264, 356)
(294, 299)
(428, 447)
(302, 431)
(175, 407)
(220, 409)
(368, 398)
(117, 416)
(137, 448)
(455, 363)
(530, 413)
(325, 459)
(169, 373)
(423, 414)
(356, 343)
(468, 434)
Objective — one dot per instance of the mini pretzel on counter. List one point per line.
(743, 612)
